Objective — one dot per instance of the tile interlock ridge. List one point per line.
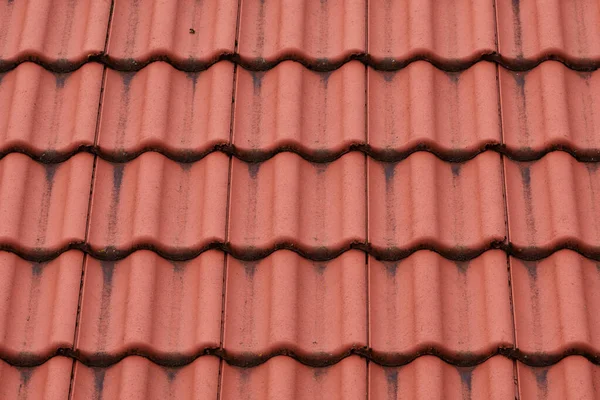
(462, 254)
(315, 360)
(314, 64)
(313, 156)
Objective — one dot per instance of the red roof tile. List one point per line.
(429, 377)
(138, 378)
(43, 206)
(154, 202)
(38, 308)
(60, 32)
(49, 381)
(570, 379)
(299, 199)
(148, 305)
(183, 115)
(290, 107)
(423, 202)
(552, 299)
(289, 202)
(460, 309)
(184, 31)
(531, 31)
(285, 378)
(319, 31)
(550, 107)
(450, 113)
(552, 203)
(284, 301)
(46, 114)
(446, 31)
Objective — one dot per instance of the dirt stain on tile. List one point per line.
(259, 46)
(541, 379)
(133, 21)
(42, 224)
(466, 379)
(67, 28)
(24, 378)
(99, 374)
(531, 267)
(391, 377)
(124, 108)
(528, 199)
(389, 171)
(113, 221)
(518, 31)
(108, 270)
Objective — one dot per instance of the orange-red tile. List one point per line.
(452, 113)
(317, 208)
(423, 201)
(62, 31)
(49, 381)
(428, 377)
(153, 201)
(284, 378)
(151, 305)
(549, 107)
(533, 30)
(573, 378)
(46, 113)
(287, 302)
(553, 202)
(161, 108)
(461, 309)
(43, 207)
(38, 305)
(138, 378)
(555, 304)
(448, 30)
(184, 31)
(315, 31)
(289, 106)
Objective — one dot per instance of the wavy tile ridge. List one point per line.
(312, 360)
(314, 64)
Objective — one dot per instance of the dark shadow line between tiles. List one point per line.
(314, 156)
(314, 360)
(314, 64)
(321, 254)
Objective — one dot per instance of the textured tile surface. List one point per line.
(550, 107)
(155, 202)
(38, 305)
(573, 378)
(139, 378)
(552, 203)
(448, 31)
(151, 306)
(425, 202)
(319, 31)
(49, 381)
(284, 378)
(533, 30)
(555, 303)
(287, 302)
(60, 31)
(451, 113)
(160, 108)
(461, 309)
(319, 208)
(187, 32)
(289, 106)
(429, 377)
(45, 113)
(43, 206)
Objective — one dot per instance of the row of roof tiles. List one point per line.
(320, 115)
(283, 378)
(319, 210)
(285, 304)
(192, 32)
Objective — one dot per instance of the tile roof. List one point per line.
(227, 199)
